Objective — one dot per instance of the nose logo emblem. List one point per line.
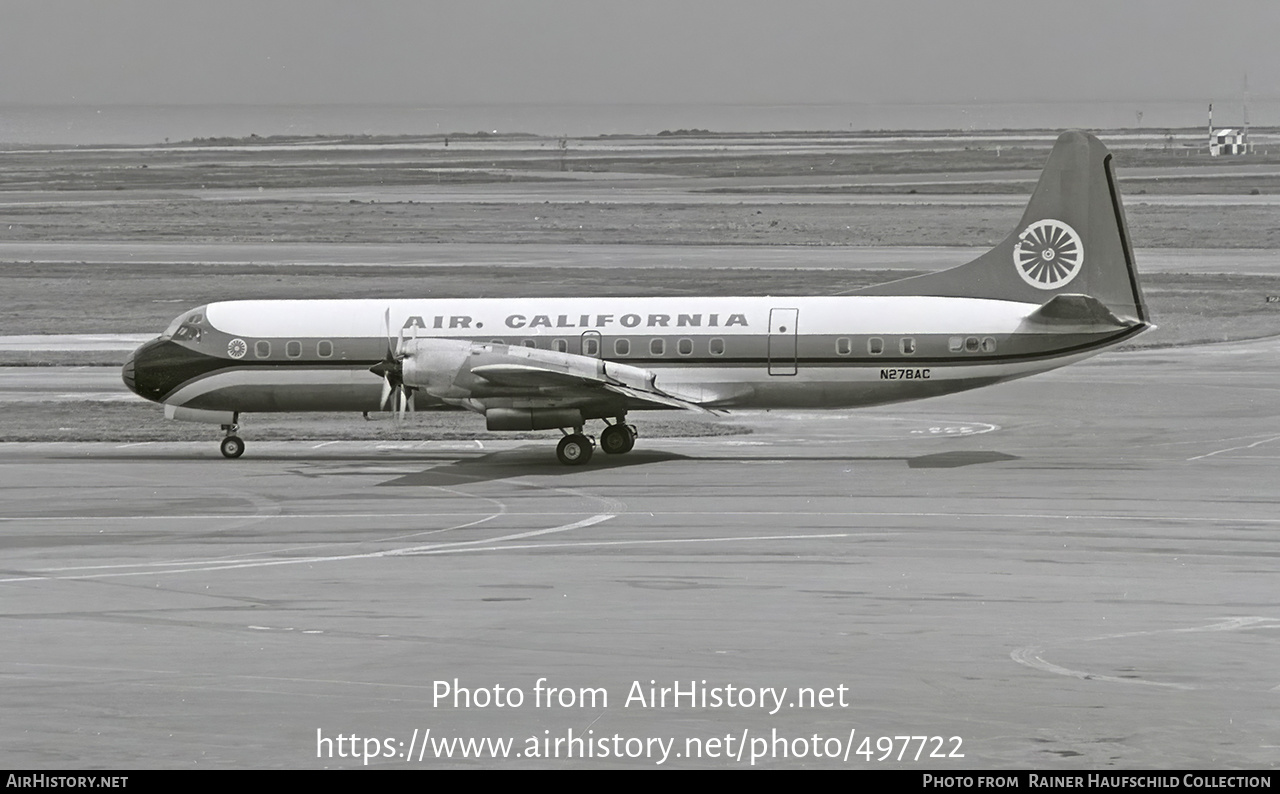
(1048, 254)
(236, 348)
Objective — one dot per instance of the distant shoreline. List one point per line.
(101, 125)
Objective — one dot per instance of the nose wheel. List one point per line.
(232, 446)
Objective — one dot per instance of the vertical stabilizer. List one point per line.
(1072, 240)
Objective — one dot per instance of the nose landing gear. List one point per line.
(232, 446)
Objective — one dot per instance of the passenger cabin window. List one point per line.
(622, 347)
(907, 345)
(685, 347)
(971, 344)
(293, 349)
(591, 346)
(657, 346)
(955, 344)
(716, 346)
(529, 343)
(875, 345)
(262, 348)
(560, 345)
(988, 344)
(324, 348)
(843, 346)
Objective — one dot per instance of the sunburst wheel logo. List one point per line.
(236, 348)
(1048, 254)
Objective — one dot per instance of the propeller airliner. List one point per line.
(1060, 288)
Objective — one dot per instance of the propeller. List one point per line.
(391, 368)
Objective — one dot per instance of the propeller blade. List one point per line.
(386, 392)
(386, 326)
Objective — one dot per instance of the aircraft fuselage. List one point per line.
(748, 352)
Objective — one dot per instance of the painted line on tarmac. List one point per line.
(1234, 449)
(1033, 655)
(664, 541)
(224, 565)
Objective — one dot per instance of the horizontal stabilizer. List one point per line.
(1076, 310)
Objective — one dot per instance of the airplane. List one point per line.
(1060, 288)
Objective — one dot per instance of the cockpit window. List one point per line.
(194, 318)
(187, 332)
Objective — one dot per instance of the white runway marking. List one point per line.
(664, 541)
(1032, 655)
(460, 547)
(971, 429)
(1233, 449)
(175, 567)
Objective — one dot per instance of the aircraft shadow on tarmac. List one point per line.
(534, 460)
(527, 461)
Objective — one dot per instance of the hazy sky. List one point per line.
(643, 51)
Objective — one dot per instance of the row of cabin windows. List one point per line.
(684, 347)
(907, 345)
(622, 347)
(292, 348)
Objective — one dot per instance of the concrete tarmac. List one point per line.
(1072, 571)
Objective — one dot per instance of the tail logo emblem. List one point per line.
(1048, 254)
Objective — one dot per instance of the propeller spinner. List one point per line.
(391, 368)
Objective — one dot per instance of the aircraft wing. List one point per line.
(466, 371)
(569, 371)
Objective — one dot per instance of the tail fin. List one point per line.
(1072, 240)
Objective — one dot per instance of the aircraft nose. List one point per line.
(127, 373)
(158, 367)
(144, 369)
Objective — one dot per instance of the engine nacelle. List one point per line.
(532, 418)
(433, 365)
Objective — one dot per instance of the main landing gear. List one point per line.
(575, 448)
(618, 439)
(232, 445)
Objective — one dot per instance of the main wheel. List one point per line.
(617, 439)
(232, 447)
(574, 450)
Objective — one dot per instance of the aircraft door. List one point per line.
(591, 344)
(782, 340)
